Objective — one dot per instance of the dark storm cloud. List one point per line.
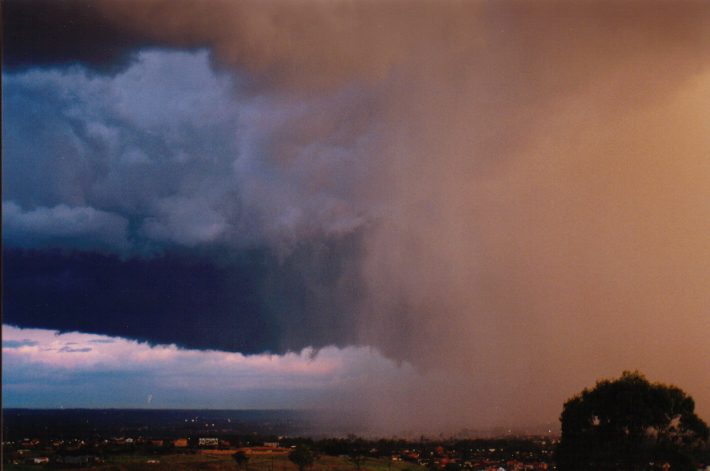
(168, 152)
(80, 227)
(115, 165)
(250, 303)
(49, 32)
(116, 159)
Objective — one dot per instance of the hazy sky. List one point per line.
(471, 210)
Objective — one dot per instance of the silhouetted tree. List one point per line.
(302, 456)
(357, 454)
(628, 423)
(357, 458)
(242, 460)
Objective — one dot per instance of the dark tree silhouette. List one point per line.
(302, 456)
(357, 454)
(357, 459)
(242, 460)
(629, 424)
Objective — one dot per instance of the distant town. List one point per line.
(212, 439)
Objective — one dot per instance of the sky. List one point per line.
(444, 215)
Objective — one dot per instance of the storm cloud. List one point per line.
(510, 196)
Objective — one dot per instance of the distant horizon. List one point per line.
(285, 422)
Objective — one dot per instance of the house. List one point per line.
(208, 441)
(180, 443)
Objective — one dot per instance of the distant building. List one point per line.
(40, 460)
(204, 441)
(271, 444)
(180, 443)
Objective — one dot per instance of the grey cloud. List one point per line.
(67, 349)
(185, 221)
(19, 343)
(183, 154)
(79, 227)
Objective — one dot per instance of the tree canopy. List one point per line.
(302, 456)
(630, 424)
(357, 454)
